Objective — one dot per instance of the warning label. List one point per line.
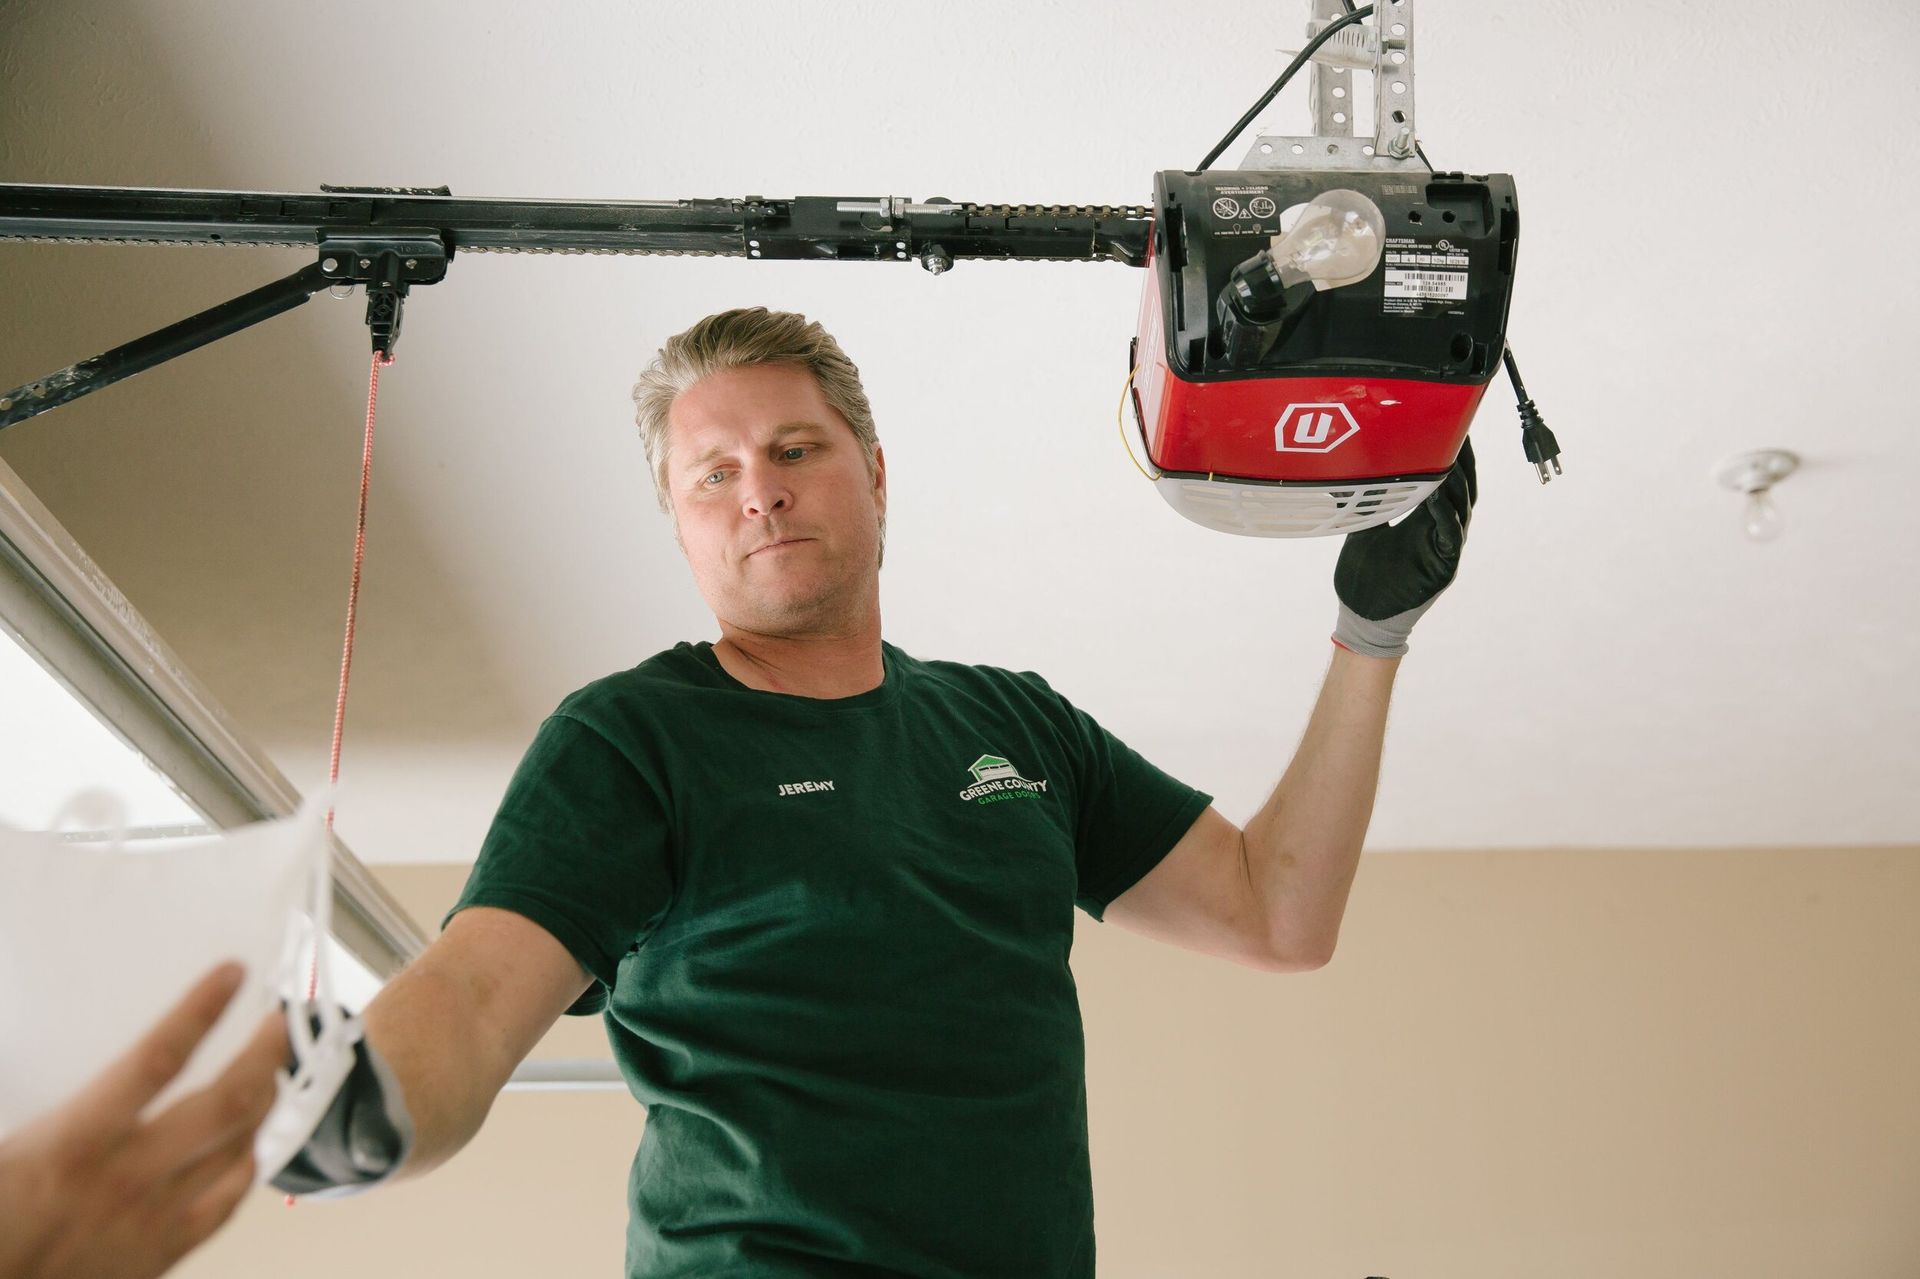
(1245, 210)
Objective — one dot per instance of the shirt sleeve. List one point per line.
(580, 846)
(1130, 813)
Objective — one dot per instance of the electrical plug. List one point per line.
(1538, 442)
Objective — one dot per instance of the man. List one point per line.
(823, 889)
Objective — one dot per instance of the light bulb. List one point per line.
(1763, 517)
(1336, 241)
(1754, 474)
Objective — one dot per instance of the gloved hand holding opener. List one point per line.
(1390, 574)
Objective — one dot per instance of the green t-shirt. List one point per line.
(830, 938)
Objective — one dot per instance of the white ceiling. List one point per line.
(1711, 195)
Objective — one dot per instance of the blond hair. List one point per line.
(737, 339)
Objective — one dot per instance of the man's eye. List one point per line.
(796, 449)
(711, 476)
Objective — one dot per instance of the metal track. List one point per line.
(815, 228)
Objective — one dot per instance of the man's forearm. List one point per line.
(1303, 846)
(416, 1026)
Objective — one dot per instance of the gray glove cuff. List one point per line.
(1386, 637)
(364, 1137)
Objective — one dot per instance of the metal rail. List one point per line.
(393, 239)
(935, 233)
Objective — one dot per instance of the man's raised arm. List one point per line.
(444, 1036)
(1303, 846)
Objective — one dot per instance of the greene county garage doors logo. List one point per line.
(994, 779)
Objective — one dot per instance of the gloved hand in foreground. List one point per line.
(363, 1136)
(1390, 574)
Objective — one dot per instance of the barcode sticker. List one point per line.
(1404, 283)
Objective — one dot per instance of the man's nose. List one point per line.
(764, 490)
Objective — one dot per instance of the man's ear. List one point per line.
(880, 478)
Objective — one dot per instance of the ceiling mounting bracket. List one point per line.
(1384, 49)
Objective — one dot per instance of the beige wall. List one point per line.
(1566, 1064)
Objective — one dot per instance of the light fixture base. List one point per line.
(1757, 471)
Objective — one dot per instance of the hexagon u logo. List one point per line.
(1313, 428)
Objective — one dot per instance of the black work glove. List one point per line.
(1390, 574)
(364, 1136)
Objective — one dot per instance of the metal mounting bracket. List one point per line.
(1384, 48)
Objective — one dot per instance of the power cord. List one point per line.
(1538, 442)
(1300, 60)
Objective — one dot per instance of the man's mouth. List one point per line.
(780, 545)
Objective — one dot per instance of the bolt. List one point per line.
(331, 264)
(39, 391)
(364, 263)
(6, 404)
(411, 263)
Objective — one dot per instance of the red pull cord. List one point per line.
(353, 592)
(353, 609)
(346, 650)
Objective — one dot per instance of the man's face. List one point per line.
(756, 456)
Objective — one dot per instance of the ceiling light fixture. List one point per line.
(1755, 474)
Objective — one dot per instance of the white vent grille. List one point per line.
(1291, 510)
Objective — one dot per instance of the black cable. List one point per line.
(1513, 371)
(1292, 67)
(1536, 441)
